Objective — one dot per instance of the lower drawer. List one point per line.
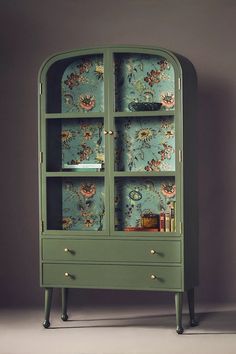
(112, 276)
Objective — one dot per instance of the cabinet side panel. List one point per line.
(190, 175)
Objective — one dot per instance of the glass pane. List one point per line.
(143, 83)
(75, 144)
(145, 144)
(75, 203)
(83, 86)
(145, 204)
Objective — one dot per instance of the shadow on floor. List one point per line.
(209, 322)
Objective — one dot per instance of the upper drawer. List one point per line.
(111, 250)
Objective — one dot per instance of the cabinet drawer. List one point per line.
(112, 276)
(111, 250)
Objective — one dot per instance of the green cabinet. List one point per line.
(118, 198)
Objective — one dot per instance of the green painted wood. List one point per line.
(143, 115)
(48, 302)
(112, 276)
(112, 251)
(64, 303)
(178, 309)
(180, 247)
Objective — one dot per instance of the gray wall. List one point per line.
(201, 30)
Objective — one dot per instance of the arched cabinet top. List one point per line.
(141, 79)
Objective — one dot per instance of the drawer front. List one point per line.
(112, 276)
(112, 250)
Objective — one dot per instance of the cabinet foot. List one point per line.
(64, 317)
(48, 302)
(46, 324)
(64, 302)
(179, 330)
(178, 310)
(193, 321)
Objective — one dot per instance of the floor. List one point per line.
(116, 331)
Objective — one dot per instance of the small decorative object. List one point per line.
(144, 106)
(150, 220)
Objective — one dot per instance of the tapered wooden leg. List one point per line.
(64, 298)
(178, 309)
(193, 321)
(48, 302)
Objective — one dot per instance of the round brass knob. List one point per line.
(67, 274)
(153, 276)
(110, 132)
(105, 132)
(66, 250)
(152, 251)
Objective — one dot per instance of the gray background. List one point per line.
(201, 30)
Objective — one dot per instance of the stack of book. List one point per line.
(168, 219)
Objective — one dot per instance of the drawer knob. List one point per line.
(105, 132)
(66, 250)
(152, 251)
(110, 132)
(153, 276)
(67, 274)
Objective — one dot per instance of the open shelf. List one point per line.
(145, 204)
(145, 144)
(75, 203)
(142, 82)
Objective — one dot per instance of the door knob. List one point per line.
(105, 132)
(110, 132)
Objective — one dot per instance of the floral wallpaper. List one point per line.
(145, 144)
(137, 196)
(82, 85)
(145, 79)
(82, 141)
(83, 205)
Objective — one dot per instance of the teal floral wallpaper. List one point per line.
(82, 141)
(145, 144)
(83, 205)
(137, 196)
(83, 86)
(146, 79)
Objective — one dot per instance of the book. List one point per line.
(167, 222)
(83, 167)
(172, 217)
(162, 222)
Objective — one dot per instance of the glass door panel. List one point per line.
(76, 203)
(145, 204)
(143, 82)
(75, 144)
(82, 85)
(76, 84)
(145, 144)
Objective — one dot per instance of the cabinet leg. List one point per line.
(48, 302)
(64, 298)
(178, 309)
(193, 321)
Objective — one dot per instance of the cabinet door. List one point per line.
(74, 118)
(144, 122)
